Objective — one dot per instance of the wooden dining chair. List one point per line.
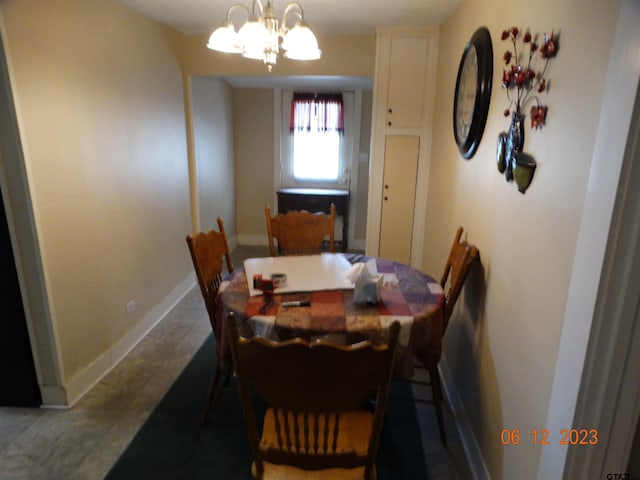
(459, 261)
(315, 426)
(456, 269)
(207, 253)
(460, 258)
(299, 231)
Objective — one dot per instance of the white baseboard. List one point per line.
(473, 454)
(53, 396)
(233, 242)
(77, 386)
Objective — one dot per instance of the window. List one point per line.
(317, 127)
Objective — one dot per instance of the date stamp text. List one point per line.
(568, 436)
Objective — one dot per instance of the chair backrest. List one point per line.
(310, 389)
(207, 251)
(300, 232)
(456, 269)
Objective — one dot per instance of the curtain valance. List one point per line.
(321, 112)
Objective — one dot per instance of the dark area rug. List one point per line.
(172, 444)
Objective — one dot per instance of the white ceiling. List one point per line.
(325, 17)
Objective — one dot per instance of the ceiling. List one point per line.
(325, 17)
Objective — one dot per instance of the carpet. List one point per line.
(172, 444)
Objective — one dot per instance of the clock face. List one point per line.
(473, 92)
(467, 93)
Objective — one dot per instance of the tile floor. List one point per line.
(83, 442)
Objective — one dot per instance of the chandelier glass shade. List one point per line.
(262, 37)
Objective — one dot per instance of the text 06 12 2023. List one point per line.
(567, 436)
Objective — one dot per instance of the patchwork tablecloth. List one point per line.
(408, 295)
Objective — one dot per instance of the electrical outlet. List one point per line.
(131, 306)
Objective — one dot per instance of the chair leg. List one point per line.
(436, 389)
(212, 390)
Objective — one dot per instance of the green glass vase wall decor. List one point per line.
(510, 158)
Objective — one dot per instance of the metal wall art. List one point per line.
(523, 84)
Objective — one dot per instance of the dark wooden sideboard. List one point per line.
(317, 200)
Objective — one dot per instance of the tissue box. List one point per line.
(366, 282)
(367, 290)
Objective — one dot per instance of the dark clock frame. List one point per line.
(481, 41)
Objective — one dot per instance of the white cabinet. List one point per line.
(403, 97)
(407, 73)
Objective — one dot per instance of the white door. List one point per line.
(398, 196)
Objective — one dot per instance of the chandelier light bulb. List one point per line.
(224, 39)
(300, 43)
(252, 36)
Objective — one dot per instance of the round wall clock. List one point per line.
(473, 92)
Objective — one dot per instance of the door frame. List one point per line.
(20, 382)
(595, 350)
(353, 161)
(22, 221)
(610, 390)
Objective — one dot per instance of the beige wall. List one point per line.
(99, 100)
(253, 135)
(214, 155)
(502, 344)
(346, 55)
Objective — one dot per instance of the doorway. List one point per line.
(17, 370)
(608, 397)
(26, 324)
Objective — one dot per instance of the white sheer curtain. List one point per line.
(316, 124)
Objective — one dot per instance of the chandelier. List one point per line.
(261, 38)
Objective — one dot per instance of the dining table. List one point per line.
(318, 301)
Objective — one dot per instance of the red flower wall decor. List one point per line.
(520, 78)
(523, 82)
